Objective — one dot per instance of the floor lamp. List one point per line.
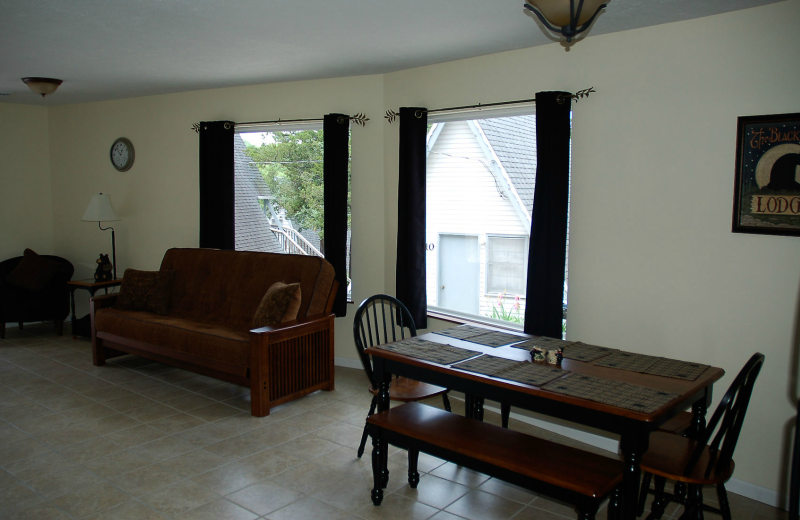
(101, 210)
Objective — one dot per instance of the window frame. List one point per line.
(526, 252)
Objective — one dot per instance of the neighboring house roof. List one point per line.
(513, 140)
(252, 225)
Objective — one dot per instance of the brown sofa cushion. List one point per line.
(33, 272)
(204, 340)
(279, 305)
(145, 291)
(226, 287)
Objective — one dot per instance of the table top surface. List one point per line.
(684, 389)
(89, 282)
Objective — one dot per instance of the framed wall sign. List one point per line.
(766, 196)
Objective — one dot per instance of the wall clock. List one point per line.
(122, 154)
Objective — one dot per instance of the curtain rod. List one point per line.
(359, 119)
(391, 115)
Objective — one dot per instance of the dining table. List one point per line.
(565, 396)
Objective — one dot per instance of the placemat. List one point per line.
(543, 342)
(429, 351)
(461, 332)
(585, 352)
(614, 393)
(518, 371)
(653, 365)
(480, 336)
(572, 349)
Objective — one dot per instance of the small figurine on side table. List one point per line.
(103, 273)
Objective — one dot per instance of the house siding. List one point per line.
(463, 198)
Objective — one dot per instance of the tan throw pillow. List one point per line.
(145, 291)
(33, 272)
(279, 305)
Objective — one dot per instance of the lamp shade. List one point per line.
(557, 11)
(100, 209)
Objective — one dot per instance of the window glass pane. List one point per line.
(279, 193)
(506, 265)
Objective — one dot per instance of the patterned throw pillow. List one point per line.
(33, 272)
(145, 291)
(279, 305)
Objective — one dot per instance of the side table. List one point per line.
(82, 326)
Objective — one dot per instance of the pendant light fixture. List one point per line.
(562, 16)
(42, 86)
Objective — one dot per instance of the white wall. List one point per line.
(654, 267)
(26, 217)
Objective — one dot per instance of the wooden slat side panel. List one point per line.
(300, 363)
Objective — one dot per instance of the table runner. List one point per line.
(572, 349)
(653, 365)
(517, 371)
(489, 338)
(429, 351)
(614, 393)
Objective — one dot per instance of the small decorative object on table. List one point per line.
(538, 354)
(551, 357)
(104, 268)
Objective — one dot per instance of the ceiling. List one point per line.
(111, 49)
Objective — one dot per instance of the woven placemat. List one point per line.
(429, 351)
(585, 352)
(480, 336)
(614, 393)
(543, 342)
(517, 371)
(461, 332)
(653, 365)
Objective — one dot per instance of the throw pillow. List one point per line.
(279, 305)
(145, 291)
(33, 272)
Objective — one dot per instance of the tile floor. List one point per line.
(141, 440)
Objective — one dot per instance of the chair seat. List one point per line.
(669, 455)
(678, 424)
(408, 390)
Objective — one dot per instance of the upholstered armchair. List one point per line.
(37, 292)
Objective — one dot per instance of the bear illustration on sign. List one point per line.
(785, 172)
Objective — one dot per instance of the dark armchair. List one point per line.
(51, 303)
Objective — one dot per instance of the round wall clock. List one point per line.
(122, 154)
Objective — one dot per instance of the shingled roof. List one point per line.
(513, 139)
(252, 226)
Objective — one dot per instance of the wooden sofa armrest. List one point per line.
(290, 360)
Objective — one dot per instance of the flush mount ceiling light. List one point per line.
(562, 17)
(42, 86)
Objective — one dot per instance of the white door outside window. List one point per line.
(459, 273)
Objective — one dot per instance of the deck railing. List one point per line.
(294, 243)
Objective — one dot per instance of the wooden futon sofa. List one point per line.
(207, 325)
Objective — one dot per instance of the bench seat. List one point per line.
(568, 473)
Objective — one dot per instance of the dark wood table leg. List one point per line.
(384, 379)
(633, 443)
(72, 308)
(377, 463)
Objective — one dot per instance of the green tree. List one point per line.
(292, 168)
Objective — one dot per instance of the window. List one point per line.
(481, 175)
(506, 265)
(279, 192)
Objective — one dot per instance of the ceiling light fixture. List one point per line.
(560, 16)
(42, 86)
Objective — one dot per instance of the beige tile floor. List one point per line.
(142, 440)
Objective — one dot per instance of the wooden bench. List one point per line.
(563, 472)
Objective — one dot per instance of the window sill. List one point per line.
(451, 317)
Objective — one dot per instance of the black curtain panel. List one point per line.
(217, 198)
(336, 129)
(410, 274)
(548, 243)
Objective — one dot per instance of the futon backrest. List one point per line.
(225, 287)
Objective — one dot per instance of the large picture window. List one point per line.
(279, 192)
(481, 177)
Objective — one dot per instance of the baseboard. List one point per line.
(347, 362)
(745, 489)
